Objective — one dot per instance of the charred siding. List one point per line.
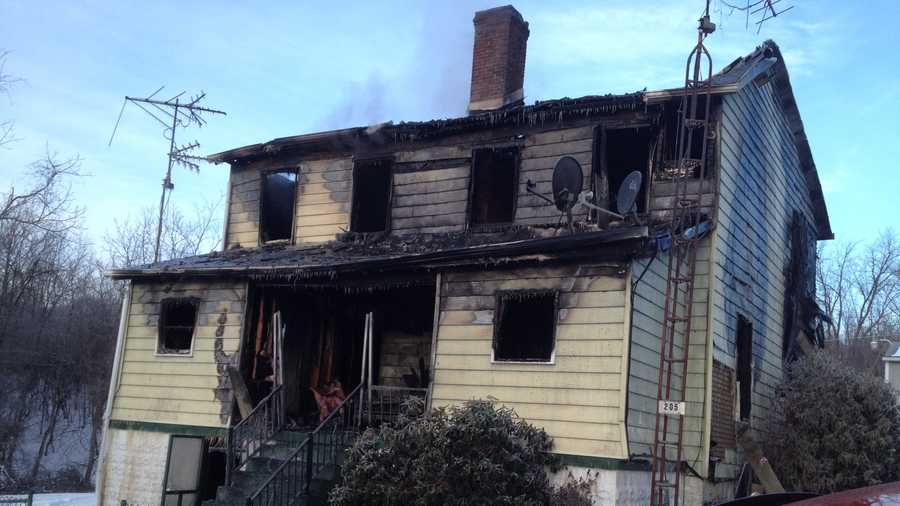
(578, 398)
(761, 186)
(188, 390)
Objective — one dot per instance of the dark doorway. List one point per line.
(322, 345)
(371, 196)
(494, 185)
(744, 340)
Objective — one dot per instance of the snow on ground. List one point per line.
(88, 499)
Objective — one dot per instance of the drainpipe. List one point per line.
(113, 389)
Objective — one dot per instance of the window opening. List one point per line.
(279, 190)
(184, 467)
(524, 326)
(371, 196)
(671, 120)
(177, 319)
(745, 365)
(494, 185)
(627, 150)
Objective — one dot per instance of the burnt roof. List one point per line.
(539, 113)
(766, 58)
(369, 254)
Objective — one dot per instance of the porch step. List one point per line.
(260, 467)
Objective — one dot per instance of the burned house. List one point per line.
(519, 253)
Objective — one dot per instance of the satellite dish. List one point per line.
(568, 181)
(628, 192)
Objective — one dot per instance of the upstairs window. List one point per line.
(524, 326)
(177, 319)
(278, 195)
(626, 150)
(371, 196)
(494, 186)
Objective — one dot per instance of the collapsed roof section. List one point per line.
(361, 254)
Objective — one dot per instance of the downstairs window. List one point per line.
(524, 326)
(177, 319)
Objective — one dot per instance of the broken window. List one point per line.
(494, 185)
(745, 365)
(626, 150)
(183, 471)
(524, 325)
(670, 149)
(276, 221)
(177, 318)
(371, 196)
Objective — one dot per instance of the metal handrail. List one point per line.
(248, 436)
(292, 478)
(259, 405)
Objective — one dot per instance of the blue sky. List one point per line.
(282, 69)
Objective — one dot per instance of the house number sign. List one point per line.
(671, 407)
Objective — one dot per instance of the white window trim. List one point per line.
(190, 353)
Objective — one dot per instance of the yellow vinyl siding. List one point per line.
(425, 199)
(179, 389)
(579, 398)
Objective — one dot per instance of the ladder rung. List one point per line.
(683, 359)
(665, 484)
(678, 318)
(682, 279)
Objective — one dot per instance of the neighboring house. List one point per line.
(427, 241)
(892, 367)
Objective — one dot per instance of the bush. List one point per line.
(472, 454)
(834, 428)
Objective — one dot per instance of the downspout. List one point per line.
(114, 379)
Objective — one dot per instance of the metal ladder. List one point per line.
(687, 229)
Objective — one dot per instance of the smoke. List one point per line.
(432, 82)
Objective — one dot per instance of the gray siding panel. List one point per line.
(761, 184)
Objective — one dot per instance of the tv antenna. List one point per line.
(764, 10)
(171, 114)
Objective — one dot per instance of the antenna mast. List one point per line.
(171, 114)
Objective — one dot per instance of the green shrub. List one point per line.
(833, 428)
(472, 454)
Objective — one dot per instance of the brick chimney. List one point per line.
(498, 58)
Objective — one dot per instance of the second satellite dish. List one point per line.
(568, 181)
(628, 192)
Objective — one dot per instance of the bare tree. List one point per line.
(131, 242)
(7, 81)
(859, 288)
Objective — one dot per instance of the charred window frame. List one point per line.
(620, 151)
(671, 117)
(744, 369)
(525, 326)
(277, 205)
(177, 322)
(372, 195)
(493, 186)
